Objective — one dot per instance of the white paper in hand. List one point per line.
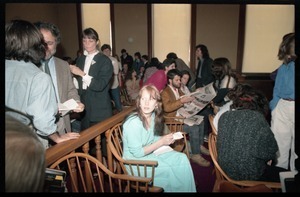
(162, 149)
(178, 135)
(67, 106)
(71, 104)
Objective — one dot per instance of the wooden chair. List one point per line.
(175, 124)
(115, 146)
(211, 122)
(221, 175)
(226, 186)
(87, 174)
(125, 98)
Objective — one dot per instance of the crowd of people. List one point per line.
(249, 148)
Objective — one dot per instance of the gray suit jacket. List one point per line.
(66, 91)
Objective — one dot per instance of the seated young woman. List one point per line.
(143, 134)
(132, 84)
(224, 79)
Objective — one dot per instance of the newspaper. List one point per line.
(67, 107)
(202, 97)
(164, 149)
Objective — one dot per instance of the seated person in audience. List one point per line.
(171, 103)
(151, 69)
(137, 62)
(181, 65)
(124, 72)
(24, 158)
(132, 84)
(224, 79)
(159, 78)
(141, 75)
(246, 145)
(143, 134)
(184, 81)
(238, 91)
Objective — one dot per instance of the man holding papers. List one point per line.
(172, 101)
(60, 74)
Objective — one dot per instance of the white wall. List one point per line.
(265, 27)
(171, 30)
(97, 16)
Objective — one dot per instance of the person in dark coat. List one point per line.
(246, 145)
(204, 74)
(94, 72)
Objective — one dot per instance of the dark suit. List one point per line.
(206, 78)
(96, 97)
(206, 73)
(66, 91)
(128, 60)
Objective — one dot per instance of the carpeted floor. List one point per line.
(204, 176)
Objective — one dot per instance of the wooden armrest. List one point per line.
(226, 186)
(141, 162)
(274, 185)
(133, 178)
(174, 117)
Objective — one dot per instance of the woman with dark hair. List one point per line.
(246, 145)
(132, 84)
(143, 134)
(186, 77)
(224, 79)
(27, 88)
(159, 78)
(94, 72)
(204, 74)
(238, 97)
(151, 69)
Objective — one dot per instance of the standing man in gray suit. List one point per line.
(60, 73)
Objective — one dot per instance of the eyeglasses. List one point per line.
(20, 116)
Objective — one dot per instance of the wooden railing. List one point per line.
(93, 133)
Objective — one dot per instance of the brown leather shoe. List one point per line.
(198, 159)
(204, 150)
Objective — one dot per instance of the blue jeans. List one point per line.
(116, 97)
(196, 136)
(76, 126)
